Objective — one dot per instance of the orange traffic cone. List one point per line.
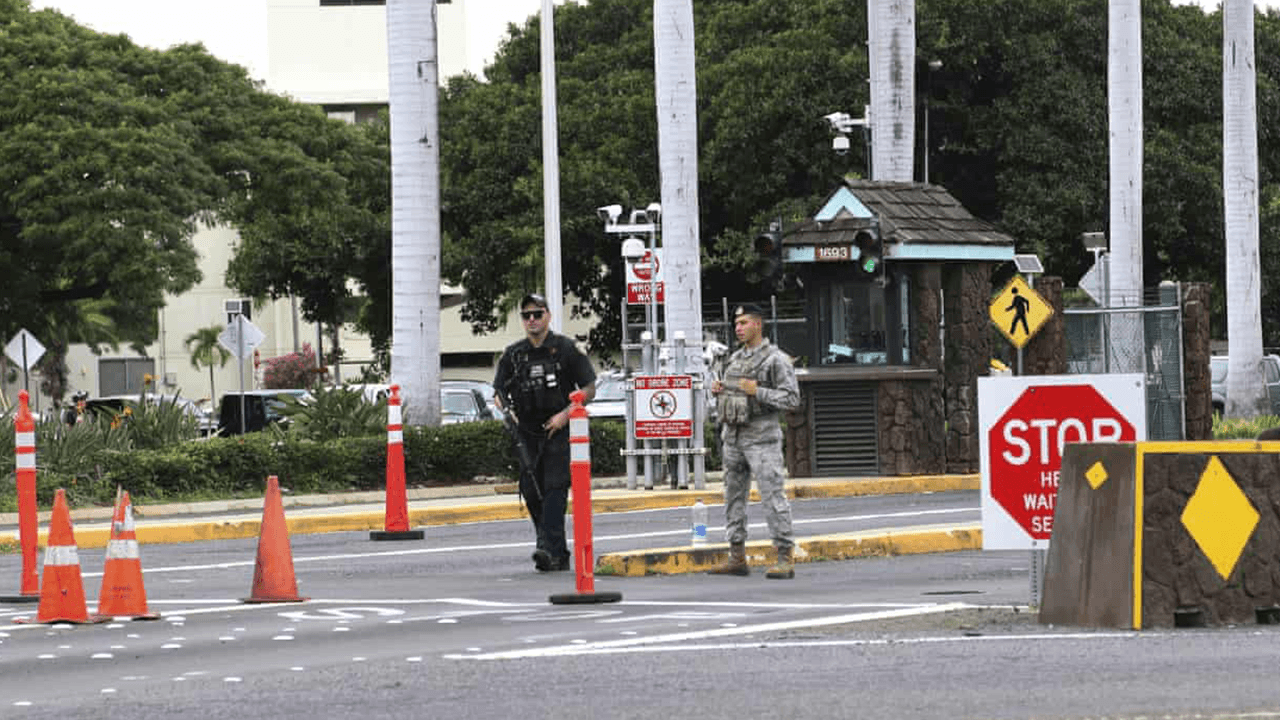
(61, 589)
(123, 594)
(273, 579)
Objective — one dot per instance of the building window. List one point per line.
(862, 321)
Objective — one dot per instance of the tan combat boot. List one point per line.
(785, 569)
(736, 564)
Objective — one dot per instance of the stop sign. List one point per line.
(1026, 442)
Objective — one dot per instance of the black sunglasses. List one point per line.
(531, 314)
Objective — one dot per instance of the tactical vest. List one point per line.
(539, 377)
(734, 406)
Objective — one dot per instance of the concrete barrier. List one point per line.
(1165, 534)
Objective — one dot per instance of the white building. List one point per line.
(332, 53)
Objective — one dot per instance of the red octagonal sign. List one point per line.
(1026, 447)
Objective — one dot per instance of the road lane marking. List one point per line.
(524, 543)
(614, 645)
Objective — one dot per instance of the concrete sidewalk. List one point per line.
(364, 511)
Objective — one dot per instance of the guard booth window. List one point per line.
(862, 320)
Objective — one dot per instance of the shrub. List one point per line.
(293, 370)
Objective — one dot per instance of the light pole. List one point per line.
(934, 65)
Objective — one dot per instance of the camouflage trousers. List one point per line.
(762, 461)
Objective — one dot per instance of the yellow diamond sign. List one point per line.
(1096, 475)
(1019, 311)
(1219, 517)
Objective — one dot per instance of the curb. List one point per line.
(495, 507)
(819, 548)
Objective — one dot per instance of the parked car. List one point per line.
(112, 406)
(485, 389)
(459, 404)
(1218, 381)
(261, 408)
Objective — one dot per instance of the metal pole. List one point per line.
(550, 168)
(630, 440)
(26, 383)
(240, 363)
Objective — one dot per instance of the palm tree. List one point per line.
(891, 47)
(1124, 122)
(677, 99)
(207, 351)
(1245, 396)
(413, 75)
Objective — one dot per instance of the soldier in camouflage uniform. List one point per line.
(759, 382)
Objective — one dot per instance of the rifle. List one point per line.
(527, 462)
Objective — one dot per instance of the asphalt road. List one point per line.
(459, 625)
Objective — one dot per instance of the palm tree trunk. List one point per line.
(415, 207)
(1124, 121)
(677, 99)
(1245, 389)
(891, 48)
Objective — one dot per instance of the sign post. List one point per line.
(25, 350)
(241, 337)
(1019, 312)
(1024, 424)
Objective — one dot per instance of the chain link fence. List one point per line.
(1145, 340)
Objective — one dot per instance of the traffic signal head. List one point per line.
(870, 251)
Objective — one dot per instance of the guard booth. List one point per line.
(897, 281)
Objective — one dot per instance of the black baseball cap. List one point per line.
(533, 299)
(749, 309)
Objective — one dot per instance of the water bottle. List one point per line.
(699, 523)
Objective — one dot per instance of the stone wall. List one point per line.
(1046, 353)
(966, 295)
(911, 429)
(1178, 575)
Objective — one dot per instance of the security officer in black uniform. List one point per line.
(536, 376)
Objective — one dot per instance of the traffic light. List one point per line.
(870, 252)
(769, 256)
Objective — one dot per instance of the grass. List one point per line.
(1242, 428)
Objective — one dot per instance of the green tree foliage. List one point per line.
(112, 156)
(1018, 131)
(206, 351)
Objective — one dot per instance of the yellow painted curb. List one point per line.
(671, 561)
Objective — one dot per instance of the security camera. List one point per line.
(840, 144)
(653, 212)
(839, 120)
(609, 213)
(633, 249)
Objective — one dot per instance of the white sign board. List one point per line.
(241, 337)
(1024, 423)
(664, 406)
(30, 354)
(643, 275)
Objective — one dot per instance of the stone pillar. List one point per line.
(1046, 353)
(1196, 381)
(966, 294)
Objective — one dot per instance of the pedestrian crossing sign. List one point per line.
(1019, 311)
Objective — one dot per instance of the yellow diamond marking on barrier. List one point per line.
(1219, 517)
(1096, 475)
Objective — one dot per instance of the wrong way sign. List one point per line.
(643, 276)
(1024, 424)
